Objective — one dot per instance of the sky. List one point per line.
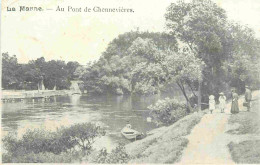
(82, 37)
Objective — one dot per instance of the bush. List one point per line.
(41, 144)
(117, 155)
(82, 135)
(167, 111)
(43, 157)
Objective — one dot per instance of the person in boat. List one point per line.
(222, 102)
(234, 105)
(128, 125)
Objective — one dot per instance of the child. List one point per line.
(222, 101)
(211, 103)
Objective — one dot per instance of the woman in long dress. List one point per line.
(234, 106)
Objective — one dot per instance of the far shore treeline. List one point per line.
(200, 51)
(26, 76)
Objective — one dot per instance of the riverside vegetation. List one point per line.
(64, 145)
(74, 144)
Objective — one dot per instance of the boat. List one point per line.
(131, 134)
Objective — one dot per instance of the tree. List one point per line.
(148, 73)
(229, 50)
(201, 25)
(10, 71)
(242, 66)
(163, 67)
(71, 67)
(184, 68)
(84, 135)
(115, 71)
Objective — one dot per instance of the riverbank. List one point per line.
(165, 144)
(203, 138)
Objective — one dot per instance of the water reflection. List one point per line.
(111, 112)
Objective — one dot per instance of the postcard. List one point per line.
(130, 82)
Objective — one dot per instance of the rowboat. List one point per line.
(130, 134)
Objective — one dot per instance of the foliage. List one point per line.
(229, 50)
(202, 45)
(43, 157)
(39, 143)
(167, 111)
(27, 76)
(184, 68)
(242, 67)
(121, 65)
(143, 66)
(10, 71)
(83, 135)
(117, 156)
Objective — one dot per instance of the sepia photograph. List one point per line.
(130, 82)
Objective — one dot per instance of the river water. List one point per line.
(111, 112)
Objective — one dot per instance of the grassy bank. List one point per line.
(166, 144)
(245, 146)
(245, 152)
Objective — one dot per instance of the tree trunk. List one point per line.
(191, 88)
(185, 95)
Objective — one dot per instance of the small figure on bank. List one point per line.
(248, 97)
(234, 105)
(211, 103)
(222, 102)
(128, 125)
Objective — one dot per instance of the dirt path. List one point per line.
(208, 140)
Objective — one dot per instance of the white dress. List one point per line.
(212, 104)
(222, 102)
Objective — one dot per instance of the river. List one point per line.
(111, 112)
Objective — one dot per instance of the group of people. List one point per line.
(234, 104)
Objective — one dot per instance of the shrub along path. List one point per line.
(208, 141)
